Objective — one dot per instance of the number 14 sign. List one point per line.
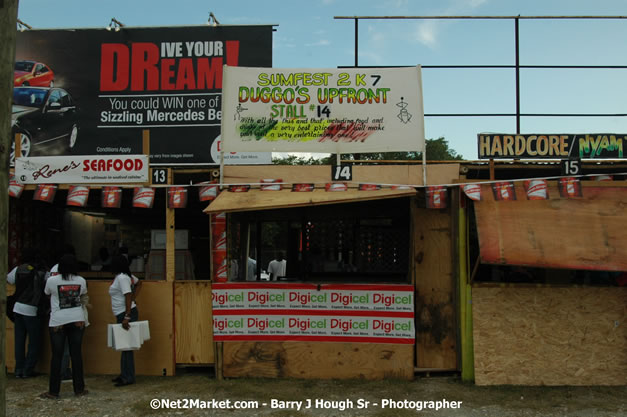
(341, 172)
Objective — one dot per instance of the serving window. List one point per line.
(355, 242)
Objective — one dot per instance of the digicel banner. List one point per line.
(332, 312)
(167, 80)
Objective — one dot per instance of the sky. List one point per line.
(309, 35)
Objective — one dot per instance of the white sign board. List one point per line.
(114, 169)
(322, 110)
(239, 158)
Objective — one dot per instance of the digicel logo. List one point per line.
(263, 324)
(346, 325)
(306, 298)
(144, 66)
(304, 325)
(263, 298)
(388, 300)
(346, 299)
(389, 326)
(225, 298)
(223, 324)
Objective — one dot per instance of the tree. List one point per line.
(8, 25)
(437, 150)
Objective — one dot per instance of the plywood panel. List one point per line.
(318, 360)
(381, 174)
(193, 322)
(550, 336)
(551, 233)
(155, 356)
(436, 332)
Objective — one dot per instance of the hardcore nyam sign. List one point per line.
(333, 313)
(551, 146)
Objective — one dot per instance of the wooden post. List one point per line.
(170, 249)
(146, 142)
(465, 303)
(491, 166)
(17, 151)
(8, 22)
(219, 361)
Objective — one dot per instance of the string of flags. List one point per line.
(436, 195)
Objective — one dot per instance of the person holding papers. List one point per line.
(125, 311)
(67, 324)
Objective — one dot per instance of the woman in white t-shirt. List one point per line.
(122, 291)
(67, 322)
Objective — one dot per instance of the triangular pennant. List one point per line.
(336, 186)
(302, 187)
(271, 185)
(208, 192)
(369, 187)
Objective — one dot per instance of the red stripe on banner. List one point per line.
(294, 312)
(269, 286)
(367, 287)
(356, 339)
(272, 285)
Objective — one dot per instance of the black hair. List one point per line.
(68, 266)
(119, 265)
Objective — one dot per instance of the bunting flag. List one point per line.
(208, 192)
(570, 187)
(177, 197)
(271, 185)
(45, 193)
(218, 247)
(111, 197)
(436, 197)
(239, 188)
(302, 187)
(77, 196)
(536, 190)
(369, 187)
(473, 191)
(143, 197)
(336, 186)
(15, 188)
(504, 191)
(401, 187)
(603, 178)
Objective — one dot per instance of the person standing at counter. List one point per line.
(29, 279)
(67, 323)
(276, 267)
(125, 311)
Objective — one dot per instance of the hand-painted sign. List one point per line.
(82, 169)
(551, 146)
(322, 110)
(326, 313)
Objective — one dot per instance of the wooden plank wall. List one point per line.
(156, 356)
(318, 360)
(550, 336)
(436, 324)
(193, 322)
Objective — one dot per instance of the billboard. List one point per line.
(323, 110)
(551, 146)
(93, 91)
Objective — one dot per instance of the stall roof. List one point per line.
(265, 200)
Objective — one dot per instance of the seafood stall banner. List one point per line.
(109, 85)
(80, 169)
(322, 110)
(361, 313)
(551, 146)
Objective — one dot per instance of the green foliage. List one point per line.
(437, 150)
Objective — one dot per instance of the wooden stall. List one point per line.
(547, 305)
(431, 269)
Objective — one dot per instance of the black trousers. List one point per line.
(74, 336)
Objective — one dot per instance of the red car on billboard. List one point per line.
(32, 73)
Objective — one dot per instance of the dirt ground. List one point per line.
(281, 398)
